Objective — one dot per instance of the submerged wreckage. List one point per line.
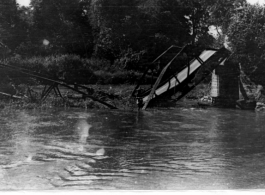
(226, 85)
(173, 80)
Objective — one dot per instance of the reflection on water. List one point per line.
(159, 149)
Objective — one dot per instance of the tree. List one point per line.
(12, 29)
(247, 40)
(153, 26)
(134, 28)
(115, 26)
(64, 23)
(222, 11)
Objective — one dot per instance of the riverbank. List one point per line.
(117, 95)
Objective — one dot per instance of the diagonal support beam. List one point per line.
(150, 96)
(47, 92)
(59, 82)
(146, 71)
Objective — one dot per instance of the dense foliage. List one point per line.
(126, 35)
(70, 68)
(247, 40)
(108, 29)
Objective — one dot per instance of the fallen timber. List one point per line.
(11, 96)
(54, 84)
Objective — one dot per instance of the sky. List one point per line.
(26, 2)
(23, 2)
(255, 1)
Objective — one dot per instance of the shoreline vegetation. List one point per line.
(103, 42)
(116, 95)
(106, 82)
(18, 90)
(111, 43)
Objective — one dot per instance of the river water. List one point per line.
(167, 149)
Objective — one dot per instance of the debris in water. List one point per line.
(100, 152)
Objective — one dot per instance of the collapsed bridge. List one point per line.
(182, 81)
(52, 85)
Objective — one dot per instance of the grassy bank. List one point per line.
(116, 95)
(74, 69)
(109, 83)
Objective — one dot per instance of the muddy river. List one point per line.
(167, 149)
